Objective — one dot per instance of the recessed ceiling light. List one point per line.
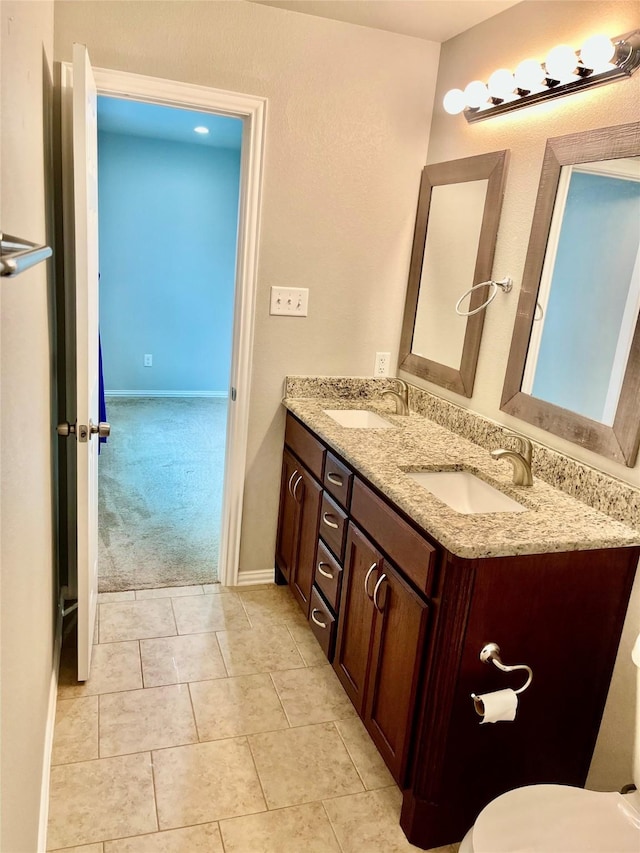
(201, 129)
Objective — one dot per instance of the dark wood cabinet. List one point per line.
(409, 619)
(300, 500)
(379, 647)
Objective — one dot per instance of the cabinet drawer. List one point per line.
(333, 526)
(328, 575)
(305, 445)
(338, 480)
(323, 623)
(405, 546)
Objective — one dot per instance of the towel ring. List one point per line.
(505, 285)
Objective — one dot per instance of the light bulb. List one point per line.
(501, 83)
(529, 75)
(561, 62)
(476, 93)
(454, 101)
(597, 52)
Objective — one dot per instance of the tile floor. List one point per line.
(212, 722)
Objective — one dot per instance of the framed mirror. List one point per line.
(453, 246)
(574, 363)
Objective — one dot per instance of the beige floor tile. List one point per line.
(104, 799)
(367, 822)
(114, 666)
(193, 839)
(231, 707)
(312, 695)
(136, 620)
(310, 649)
(275, 605)
(168, 592)
(215, 588)
(172, 660)
(206, 782)
(292, 830)
(76, 730)
(106, 597)
(142, 720)
(364, 754)
(200, 613)
(303, 764)
(264, 649)
(85, 848)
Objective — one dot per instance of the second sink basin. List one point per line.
(358, 419)
(464, 492)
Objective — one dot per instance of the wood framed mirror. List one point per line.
(574, 363)
(453, 246)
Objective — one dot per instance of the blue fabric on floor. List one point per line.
(102, 403)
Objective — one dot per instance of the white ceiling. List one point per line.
(155, 121)
(434, 20)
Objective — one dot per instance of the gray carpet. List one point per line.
(160, 492)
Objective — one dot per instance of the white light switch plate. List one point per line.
(290, 301)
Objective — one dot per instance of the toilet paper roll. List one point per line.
(496, 706)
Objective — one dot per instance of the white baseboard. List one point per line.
(165, 394)
(49, 732)
(250, 578)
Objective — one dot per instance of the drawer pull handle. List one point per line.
(366, 580)
(291, 481)
(295, 487)
(382, 577)
(316, 620)
(323, 572)
(326, 516)
(336, 479)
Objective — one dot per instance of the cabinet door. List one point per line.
(355, 630)
(289, 518)
(398, 639)
(309, 493)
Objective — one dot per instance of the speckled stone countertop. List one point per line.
(553, 522)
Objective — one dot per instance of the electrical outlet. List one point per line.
(290, 301)
(148, 360)
(383, 360)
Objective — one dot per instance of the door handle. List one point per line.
(291, 481)
(103, 429)
(326, 516)
(323, 572)
(316, 620)
(382, 577)
(336, 479)
(65, 429)
(366, 580)
(295, 487)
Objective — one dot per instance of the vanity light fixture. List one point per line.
(564, 71)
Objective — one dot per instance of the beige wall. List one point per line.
(28, 591)
(529, 30)
(347, 131)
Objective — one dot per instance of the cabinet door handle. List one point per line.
(316, 620)
(295, 487)
(290, 481)
(324, 573)
(336, 479)
(366, 580)
(326, 516)
(382, 577)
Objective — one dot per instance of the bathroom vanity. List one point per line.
(403, 592)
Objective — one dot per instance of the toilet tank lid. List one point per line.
(635, 653)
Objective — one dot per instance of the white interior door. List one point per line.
(85, 196)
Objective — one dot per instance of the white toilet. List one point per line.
(562, 819)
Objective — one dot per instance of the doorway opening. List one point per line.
(169, 182)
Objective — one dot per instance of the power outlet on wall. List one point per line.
(148, 360)
(383, 360)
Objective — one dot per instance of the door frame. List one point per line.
(252, 110)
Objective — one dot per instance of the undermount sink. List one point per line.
(358, 419)
(464, 492)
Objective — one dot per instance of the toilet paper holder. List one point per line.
(491, 653)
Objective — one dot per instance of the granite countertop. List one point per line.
(553, 522)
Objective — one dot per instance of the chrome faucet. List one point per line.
(520, 459)
(401, 396)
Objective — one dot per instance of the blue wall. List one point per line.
(588, 292)
(168, 227)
